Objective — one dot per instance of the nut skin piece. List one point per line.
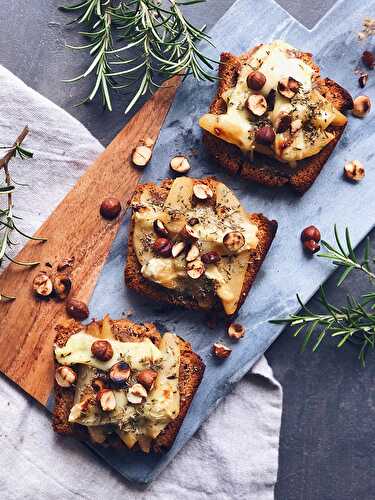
(311, 233)
(119, 373)
(42, 285)
(283, 122)
(110, 208)
(265, 135)
(160, 228)
(180, 164)
(233, 241)
(141, 156)
(368, 59)
(354, 171)
(362, 80)
(210, 257)
(65, 376)
(178, 248)
(147, 378)
(77, 309)
(311, 246)
(195, 269)
(102, 350)
(236, 331)
(62, 284)
(256, 80)
(107, 400)
(221, 351)
(288, 87)
(137, 394)
(271, 99)
(163, 247)
(202, 191)
(362, 106)
(257, 104)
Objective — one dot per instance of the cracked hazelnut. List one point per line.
(256, 80)
(311, 246)
(210, 257)
(141, 156)
(147, 378)
(236, 331)
(62, 284)
(265, 135)
(99, 384)
(354, 170)
(163, 247)
(311, 233)
(202, 191)
(180, 164)
(193, 253)
(283, 122)
(178, 248)
(110, 208)
(78, 410)
(195, 269)
(42, 284)
(65, 376)
(368, 59)
(362, 106)
(107, 400)
(160, 228)
(77, 309)
(220, 350)
(295, 126)
(119, 373)
(257, 104)
(137, 394)
(288, 87)
(188, 233)
(271, 99)
(102, 350)
(362, 80)
(234, 241)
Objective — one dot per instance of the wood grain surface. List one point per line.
(74, 229)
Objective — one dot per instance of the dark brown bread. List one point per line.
(265, 170)
(135, 280)
(190, 376)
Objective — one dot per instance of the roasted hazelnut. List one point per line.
(102, 350)
(195, 269)
(193, 253)
(311, 233)
(78, 410)
(65, 264)
(283, 122)
(188, 233)
(141, 156)
(160, 228)
(110, 208)
(362, 106)
(362, 80)
(42, 284)
(210, 257)
(295, 126)
(202, 191)
(77, 309)
(65, 376)
(236, 331)
(178, 248)
(119, 373)
(180, 164)
(137, 394)
(62, 284)
(368, 59)
(288, 87)
(354, 170)
(220, 350)
(257, 104)
(311, 246)
(256, 80)
(99, 384)
(271, 99)
(107, 400)
(234, 241)
(265, 135)
(163, 247)
(147, 378)
(193, 221)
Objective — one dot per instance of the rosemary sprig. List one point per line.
(354, 322)
(8, 219)
(153, 42)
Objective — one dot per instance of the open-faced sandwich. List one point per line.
(192, 244)
(274, 120)
(120, 383)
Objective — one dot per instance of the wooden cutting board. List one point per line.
(74, 229)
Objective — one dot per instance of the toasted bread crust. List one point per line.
(264, 170)
(190, 375)
(135, 280)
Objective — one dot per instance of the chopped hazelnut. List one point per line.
(147, 378)
(141, 156)
(110, 208)
(236, 331)
(119, 373)
(256, 80)
(193, 253)
(210, 257)
(42, 284)
(362, 106)
(65, 376)
(283, 122)
(362, 80)
(107, 399)
(257, 104)
(102, 350)
(195, 269)
(354, 170)
(77, 309)
(265, 135)
(78, 410)
(202, 191)
(288, 87)
(295, 126)
(137, 394)
(311, 246)
(188, 233)
(220, 350)
(178, 248)
(160, 228)
(62, 285)
(311, 233)
(234, 241)
(163, 247)
(180, 164)
(368, 59)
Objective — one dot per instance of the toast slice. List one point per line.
(264, 169)
(191, 370)
(193, 299)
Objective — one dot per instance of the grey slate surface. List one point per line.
(327, 440)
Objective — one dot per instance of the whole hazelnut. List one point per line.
(257, 104)
(110, 208)
(147, 378)
(234, 241)
(62, 285)
(163, 247)
(236, 331)
(368, 59)
(283, 122)
(271, 99)
(141, 156)
(137, 394)
(362, 80)
(362, 106)
(311, 246)
(65, 376)
(210, 257)
(107, 400)
(311, 233)
(42, 284)
(180, 164)
(256, 80)
(102, 350)
(77, 309)
(265, 135)
(119, 373)
(354, 171)
(220, 350)
(195, 269)
(202, 191)
(160, 228)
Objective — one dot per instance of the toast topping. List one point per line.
(286, 84)
(211, 239)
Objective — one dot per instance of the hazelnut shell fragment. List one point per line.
(77, 309)
(236, 331)
(265, 135)
(311, 233)
(102, 350)
(234, 241)
(141, 156)
(195, 269)
(180, 164)
(256, 80)
(202, 191)
(98, 384)
(65, 376)
(354, 170)
(42, 284)
(147, 378)
(368, 59)
(362, 106)
(257, 104)
(107, 400)
(110, 208)
(220, 350)
(163, 247)
(119, 373)
(137, 394)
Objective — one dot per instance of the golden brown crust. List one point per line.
(135, 280)
(264, 170)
